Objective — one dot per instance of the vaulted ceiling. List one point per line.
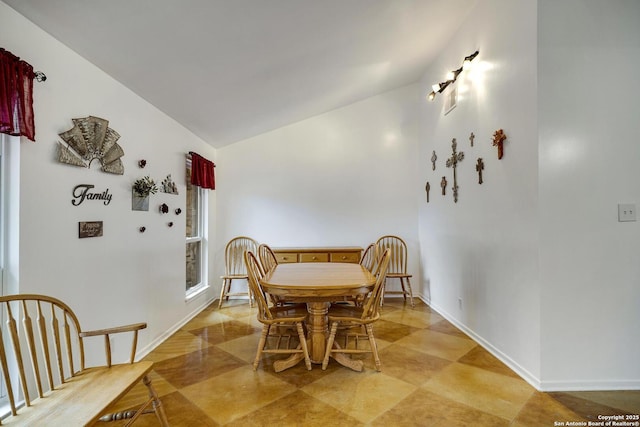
(231, 69)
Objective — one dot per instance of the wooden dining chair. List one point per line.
(276, 320)
(348, 317)
(397, 265)
(235, 268)
(267, 258)
(268, 262)
(368, 259)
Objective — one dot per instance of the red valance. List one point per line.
(16, 96)
(202, 172)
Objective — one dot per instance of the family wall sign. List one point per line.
(81, 193)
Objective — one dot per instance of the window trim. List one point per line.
(9, 213)
(9, 231)
(203, 230)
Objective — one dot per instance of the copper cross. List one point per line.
(471, 138)
(498, 139)
(452, 162)
(427, 188)
(479, 168)
(433, 159)
(443, 184)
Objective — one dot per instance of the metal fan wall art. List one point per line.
(89, 139)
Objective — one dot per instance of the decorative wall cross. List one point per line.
(498, 140)
(452, 162)
(479, 168)
(443, 184)
(471, 138)
(427, 188)
(433, 159)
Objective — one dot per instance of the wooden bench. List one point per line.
(43, 367)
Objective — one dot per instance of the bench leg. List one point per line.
(133, 415)
(157, 404)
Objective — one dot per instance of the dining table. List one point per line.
(318, 284)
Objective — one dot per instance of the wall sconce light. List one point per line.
(451, 76)
(467, 59)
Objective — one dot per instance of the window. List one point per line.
(196, 231)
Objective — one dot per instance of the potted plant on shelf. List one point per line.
(142, 189)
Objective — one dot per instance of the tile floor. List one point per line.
(432, 375)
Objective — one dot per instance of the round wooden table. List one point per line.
(318, 284)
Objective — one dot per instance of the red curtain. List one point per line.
(202, 172)
(16, 96)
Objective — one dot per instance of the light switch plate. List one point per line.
(626, 212)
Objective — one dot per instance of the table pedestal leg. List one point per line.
(289, 362)
(317, 330)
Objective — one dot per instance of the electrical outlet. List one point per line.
(626, 212)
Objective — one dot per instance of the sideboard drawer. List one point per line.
(285, 257)
(314, 257)
(318, 254)
(352, 257)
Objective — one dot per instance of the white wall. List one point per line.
(548, 277)
(342, 178)
(484, 248)
(589, 99)
(124, 276)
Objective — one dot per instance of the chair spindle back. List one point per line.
(371, 306)
(39, 346)
(369, 259)
(234, 254)
(398, 257)
(267, 258)
(254, 273)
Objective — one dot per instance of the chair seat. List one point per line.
(234, 276)
(398, 275)
(286, 313)
(349, 313)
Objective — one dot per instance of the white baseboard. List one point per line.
(513, 365)
(622, 385)
(155, 343)
(545, 386)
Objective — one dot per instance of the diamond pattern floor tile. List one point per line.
(432, 375)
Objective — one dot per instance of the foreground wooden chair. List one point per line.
(234, 267)
(272, 318)
(43, 367)
(349, 318)
(397, 265)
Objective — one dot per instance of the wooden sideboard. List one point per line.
(318, 254)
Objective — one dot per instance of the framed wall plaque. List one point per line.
(450, 98)
(89, 229)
